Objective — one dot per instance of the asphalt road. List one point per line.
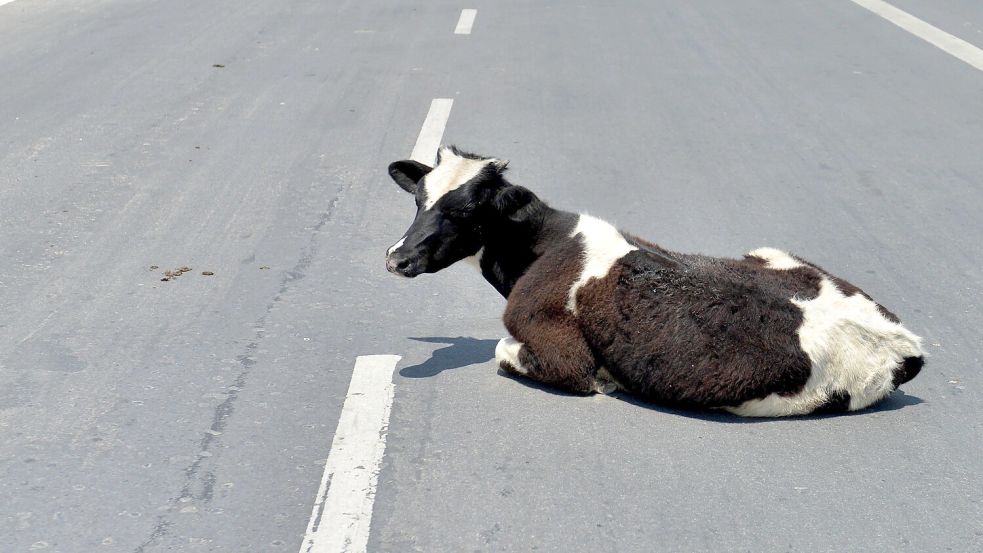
(196, 414)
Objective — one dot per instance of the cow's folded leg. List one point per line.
(565, 364)
(507, 356)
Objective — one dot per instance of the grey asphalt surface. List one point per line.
(195, 415)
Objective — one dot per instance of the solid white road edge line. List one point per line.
(2, 2)
(343, 506)
(432, 132)
(465, 23)
(952, 45)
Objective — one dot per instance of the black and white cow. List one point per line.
(591, 308)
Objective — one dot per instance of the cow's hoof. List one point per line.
(605, 387)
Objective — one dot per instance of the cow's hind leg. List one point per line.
(563, 363)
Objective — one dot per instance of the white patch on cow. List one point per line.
(507, 351)
(776, 259)
(603, 246)
(475, 260)
(395, 246)
(853, 348)
(450, 174)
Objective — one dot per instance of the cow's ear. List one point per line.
(408, 174)
(512, 201)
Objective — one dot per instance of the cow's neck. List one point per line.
(512, 244)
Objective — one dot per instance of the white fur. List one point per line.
(475, 260)
(507, 350)
(603, 246)
(776, 259)
(450, 174)
(852, 347)
(395, 246)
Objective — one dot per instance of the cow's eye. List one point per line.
(461, 211)
(458, 216)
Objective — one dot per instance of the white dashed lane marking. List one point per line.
(465, 23)
(432, 132)
(343, 506)
(342, 511)
(949, 44)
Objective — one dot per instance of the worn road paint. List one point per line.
(465, 23)
(949, 44)
(432, 132)
(343, 506)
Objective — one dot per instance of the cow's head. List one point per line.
(452, 203)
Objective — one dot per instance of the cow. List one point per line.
(593, 309)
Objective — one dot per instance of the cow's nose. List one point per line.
(396, 263)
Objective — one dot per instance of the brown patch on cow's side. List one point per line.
(554, 350)
(755, 260)
(709, 332)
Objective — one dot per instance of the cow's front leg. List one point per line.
(507, 356)
(569, 367)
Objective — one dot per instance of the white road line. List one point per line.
(342, 510)
(432, 132)
(2, 2)
(952, 45)
(343, 506)
(465, 23)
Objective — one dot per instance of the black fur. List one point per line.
(408, 173)
(838, 402)
(908, 369)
